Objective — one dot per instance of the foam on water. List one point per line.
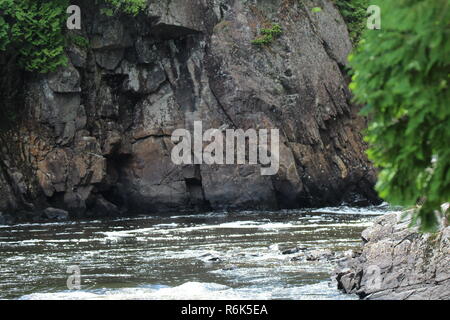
(372, 210)
(194, 291)
(217, 255)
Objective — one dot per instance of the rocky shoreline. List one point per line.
(398, 263)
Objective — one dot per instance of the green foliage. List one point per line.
(32, 31)
(132, 7)
(79, 41)
(354, 13)
(402, 75)
(268, 35)
(4, 34)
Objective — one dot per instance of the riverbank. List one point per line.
(398, 263)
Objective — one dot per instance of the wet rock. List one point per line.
(104, 208)
(7, 219)
(291, 251)
(298, 258)
(56, 214)
(315, 255)
(398, 263)
(209, 258)
(348, 281)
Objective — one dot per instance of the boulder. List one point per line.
(398, 263)
(56, 214)
(290, 251)
(104, 208)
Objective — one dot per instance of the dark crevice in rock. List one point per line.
(111, 189)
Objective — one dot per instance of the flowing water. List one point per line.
(206, 256)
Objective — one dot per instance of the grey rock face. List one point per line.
(65, 80)
(97, 133)
(398, 263)
(7, 199)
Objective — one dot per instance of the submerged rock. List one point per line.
(315, 255)
(298, 258)
(291, 251)
(398, 263)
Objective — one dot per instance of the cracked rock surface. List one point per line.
(398, 263)
(96, 135)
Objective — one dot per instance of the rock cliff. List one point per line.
(398, 263)
(95, 136)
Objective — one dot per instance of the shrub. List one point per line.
(268, 35)
(132, 7)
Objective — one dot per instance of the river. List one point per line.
(234, 255)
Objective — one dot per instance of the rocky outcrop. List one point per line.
(398, 263)
(95, 138)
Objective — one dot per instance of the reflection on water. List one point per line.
(205, 256)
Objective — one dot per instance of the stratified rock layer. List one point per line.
(398, 263)
(96, 138)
